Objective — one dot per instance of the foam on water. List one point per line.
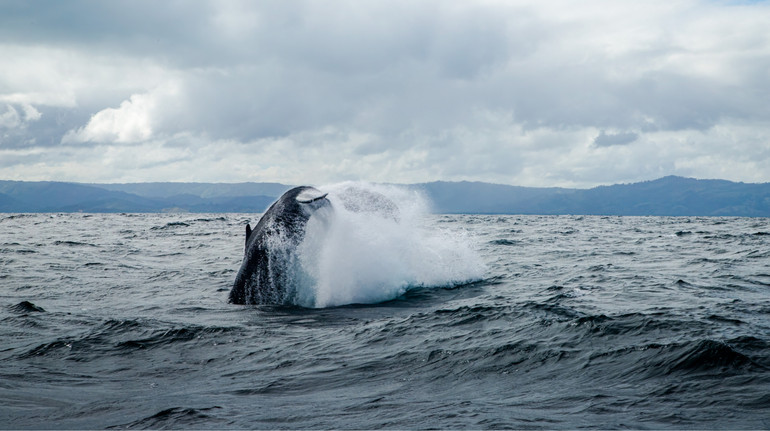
(373, 245)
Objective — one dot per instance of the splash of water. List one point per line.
(375, 243)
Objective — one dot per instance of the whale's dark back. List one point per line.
(270, 264)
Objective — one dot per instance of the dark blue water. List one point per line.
(122, 321)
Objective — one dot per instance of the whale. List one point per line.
(271, 269)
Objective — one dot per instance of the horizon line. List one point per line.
(377, 182)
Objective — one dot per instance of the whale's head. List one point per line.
(289, 214)
(269, 262)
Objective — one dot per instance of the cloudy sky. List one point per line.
(535, 93)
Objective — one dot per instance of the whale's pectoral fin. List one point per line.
(248, 232)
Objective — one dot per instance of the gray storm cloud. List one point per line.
(531, 93)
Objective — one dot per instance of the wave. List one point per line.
(25, 307)
(159, 338)
(16, 216)
(115, 337)
(504, 242)
(211, 219)
(479, 340)
(706, 356)
(175, 417)
(171, 225)
(74, 244)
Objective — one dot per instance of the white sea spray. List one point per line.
(376, 244)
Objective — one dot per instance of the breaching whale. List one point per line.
(270, 267)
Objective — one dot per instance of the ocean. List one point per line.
(505, 321)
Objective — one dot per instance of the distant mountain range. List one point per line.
(671, 196)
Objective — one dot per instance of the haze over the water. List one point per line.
(532, 93)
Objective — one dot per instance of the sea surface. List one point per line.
(122, 321)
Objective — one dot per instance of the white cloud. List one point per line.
(30, 113)
(514, 155)
(133, 121)
(12, 119)
(521, 92)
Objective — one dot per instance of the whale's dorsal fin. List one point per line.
(248, 232)
(310, 195)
